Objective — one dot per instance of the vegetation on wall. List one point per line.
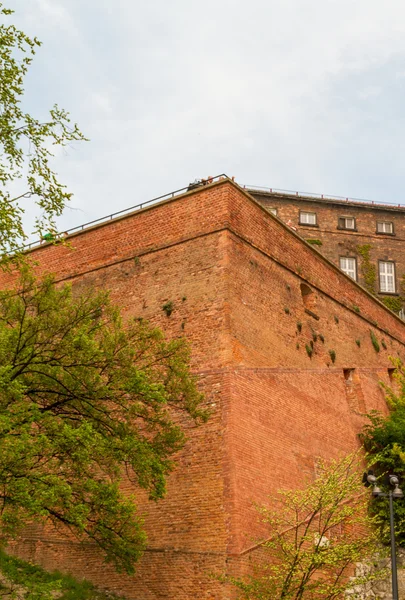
(332, 355)
(369, 273)
(374, 341)
(368, 269)
(168, 308)
(394, 303)
(314, 242)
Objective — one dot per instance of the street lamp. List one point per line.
(369, 479)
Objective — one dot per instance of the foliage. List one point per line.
(26, 143)
(168, 308)
(309, 350)
(332, 354)
(384, 440)
(317, 533)
(85, 401)
(314, 242)
(356, 308)
(368, 269)
(322, 338)
(29, 582)
(299, 326)
(336, 319)
(286, 310)
(393, 303)
(358, 343)
(374, 341)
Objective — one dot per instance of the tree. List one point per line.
(384, 440)
(26, 143)
(84, 402)
(317, 534)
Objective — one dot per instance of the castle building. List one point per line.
(364, 239)
(289, 351)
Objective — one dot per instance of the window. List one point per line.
(385, 227)
(348, 266)
(273, 211)
(387, 277)
(307, 218)
(346, 223)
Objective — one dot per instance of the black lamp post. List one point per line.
(370, 479)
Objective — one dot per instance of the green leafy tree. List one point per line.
(26, 143)
(384, 440)
(84, 402)
(315, 536)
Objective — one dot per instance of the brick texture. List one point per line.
(337, 243)
(253, 301)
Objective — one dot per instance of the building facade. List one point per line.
(283, 344)
(365, 240)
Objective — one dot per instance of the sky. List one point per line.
(305, 95)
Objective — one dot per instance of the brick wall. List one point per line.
(336, 243)
(250, 296)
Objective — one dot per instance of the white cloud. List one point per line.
(298, 94)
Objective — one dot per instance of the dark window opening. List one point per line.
(347, 223)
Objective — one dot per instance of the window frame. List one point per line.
(307, 212)
(381, 291)
(347, 228)
(384, 232)
(356, 278)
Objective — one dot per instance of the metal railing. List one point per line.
(194, 185)
(200, 183)
(319, 196)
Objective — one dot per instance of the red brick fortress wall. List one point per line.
(250, 296)
(176, 252)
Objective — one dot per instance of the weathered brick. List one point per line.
(235, 276)
(337, 242)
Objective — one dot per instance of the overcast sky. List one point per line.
(306, 95)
